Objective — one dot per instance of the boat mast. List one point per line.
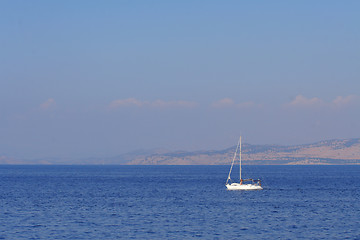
(240, 158)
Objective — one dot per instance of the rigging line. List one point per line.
(232, 163)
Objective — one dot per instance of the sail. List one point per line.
(233, 161)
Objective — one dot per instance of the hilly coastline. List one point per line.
(345, 151)
(330, 152)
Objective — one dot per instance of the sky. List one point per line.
(101, 78)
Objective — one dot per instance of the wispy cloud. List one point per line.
(126, 102)
(228, 102)
(48, 104)
(301, 101)
(133, 102)
(339, 101)
(225, 102)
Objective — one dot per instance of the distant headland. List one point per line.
(328, 152)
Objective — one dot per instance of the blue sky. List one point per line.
(100, 78)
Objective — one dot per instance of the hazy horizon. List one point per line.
(90, 78)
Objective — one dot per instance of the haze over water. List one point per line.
(98, 79)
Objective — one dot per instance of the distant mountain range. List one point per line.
(345, 151)
(338, 151)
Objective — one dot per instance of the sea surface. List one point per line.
(178, 202)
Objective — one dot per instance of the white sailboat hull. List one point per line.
(238, 186)
(244, 184)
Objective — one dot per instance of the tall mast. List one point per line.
(240, 158)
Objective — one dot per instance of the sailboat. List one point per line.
(244, 184)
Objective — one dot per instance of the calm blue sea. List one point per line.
(178, 202)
